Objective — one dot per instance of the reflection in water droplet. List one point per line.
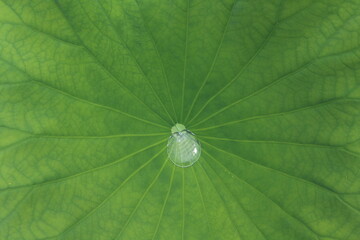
(183, 148)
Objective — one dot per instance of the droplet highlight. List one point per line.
(183, 148)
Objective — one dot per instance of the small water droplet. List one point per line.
(183, 148)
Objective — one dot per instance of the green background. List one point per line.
(89, 91)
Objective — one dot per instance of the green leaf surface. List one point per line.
(89, 92)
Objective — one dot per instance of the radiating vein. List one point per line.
(133, 56)
(317, 57)
(315, 145)
(262, 89)
(164, 204)
(36, 135)
(185, 59)
(43, 84)
(249, 62)
(83, 172)
(213, 62)
(76, 45)
(242, 180)
(33, 29)
(160, 59)
(240, 205)
(317, 235)
(108, 197)
(257, 117)
(101, 64)
(102, 136)
(183, 204)
(203, 203)
(323, 188)
(305, 181)
(340, 148)
(222, 199)
(118, 236)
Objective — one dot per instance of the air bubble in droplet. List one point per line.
(183, 148)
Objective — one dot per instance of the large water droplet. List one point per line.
(183, 148)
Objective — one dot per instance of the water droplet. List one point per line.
(183, 148)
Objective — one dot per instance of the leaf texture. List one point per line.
(89, 91)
